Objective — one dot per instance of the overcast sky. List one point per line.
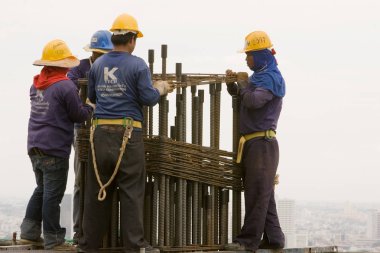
(328, 52)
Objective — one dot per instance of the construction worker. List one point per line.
(99, 45)
(260, 106)
(120, 84)
(55, 106)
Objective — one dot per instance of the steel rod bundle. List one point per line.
(188, 185)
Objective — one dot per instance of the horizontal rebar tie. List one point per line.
(192, 162)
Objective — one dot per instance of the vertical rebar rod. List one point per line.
(161, 216)
(195, 203)
(212, 114)
(211, 219)
(209, 212)
(218, 89)
(212, 208)
(163, 105)
(172, 199)
(148, 209)
(184, 104)
(150, 110)
(204, 214)
(163, 131)
(167, 211)
(179, 213)
(201, 95)
(154, 211)
(202, 227)
(224, 217)
(188, 207)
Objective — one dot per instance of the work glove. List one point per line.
(230, 76)
(163, 87)
(242, 79)
(88, 102)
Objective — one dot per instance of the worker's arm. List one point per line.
(91, 94)
(77, 111)
(148, 95)
(255, 97)
(74, 74)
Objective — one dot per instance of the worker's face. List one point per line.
(249, 60)
(95, 55)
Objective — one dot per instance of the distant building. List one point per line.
(373, 225)
(67, 215)
(286, 213)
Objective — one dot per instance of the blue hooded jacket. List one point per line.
(266, 74)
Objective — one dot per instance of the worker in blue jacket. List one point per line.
(120, 84)
(55, 107)
(260, 106)
(100, 44)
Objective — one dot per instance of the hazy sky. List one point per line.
(328, 52)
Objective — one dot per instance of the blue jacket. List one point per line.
(120, 84)
(52, 116)
(79, 71)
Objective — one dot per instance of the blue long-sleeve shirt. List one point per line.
(120, 84)
(259, 108)
(80, 71)
(53, 113)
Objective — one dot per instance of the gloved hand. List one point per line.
(242, 79)
(88, 102)
(163, 87)
(230, 76)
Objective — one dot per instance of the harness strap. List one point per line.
(129, 124)
(244, 138)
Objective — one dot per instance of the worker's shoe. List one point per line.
(235, 246)
(76, 239)
(39, 242)
(64, 247)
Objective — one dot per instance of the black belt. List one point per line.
(36, 151)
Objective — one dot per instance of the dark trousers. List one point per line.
(77, 187)
(260, 161)
(44, 204)
(130, 179)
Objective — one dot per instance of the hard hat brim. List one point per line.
(69, 62)
(87, 48)
(139, 34)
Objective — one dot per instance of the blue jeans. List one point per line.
(51, 177)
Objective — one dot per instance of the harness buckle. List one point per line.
(128, 124)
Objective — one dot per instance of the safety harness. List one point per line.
(244, 138)
(128, 124)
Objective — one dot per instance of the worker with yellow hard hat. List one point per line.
(55, 107)
(120, 84)
(261, 97)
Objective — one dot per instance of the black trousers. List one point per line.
(130, 179)
(260, 161)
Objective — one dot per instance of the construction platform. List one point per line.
(4, 246)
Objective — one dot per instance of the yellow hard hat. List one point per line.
(56, 53)
(255, 41)
(126, 23)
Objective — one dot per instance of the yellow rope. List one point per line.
(102, 192)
